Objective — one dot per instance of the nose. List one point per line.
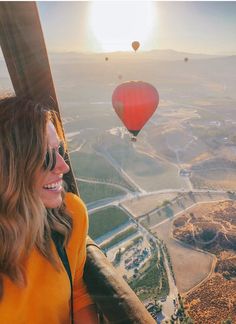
(61, 165)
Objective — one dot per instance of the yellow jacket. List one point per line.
(46, 297)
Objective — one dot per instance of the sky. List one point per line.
(207, 27)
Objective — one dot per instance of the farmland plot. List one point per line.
(190, 266)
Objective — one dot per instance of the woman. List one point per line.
(34, 283)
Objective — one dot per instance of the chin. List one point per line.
(53, 203)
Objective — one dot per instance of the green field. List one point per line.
(119, 237)
(151, 174)
(91, 192)
(130, 159)
(94, 167)
(106, 220)
(152, 282)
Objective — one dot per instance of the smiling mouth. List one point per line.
(55, 186)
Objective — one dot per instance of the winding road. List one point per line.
(168, 305)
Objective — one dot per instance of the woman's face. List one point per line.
(49, 183)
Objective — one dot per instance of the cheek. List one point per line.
(50, 199)
(40, 180)
(41, 192)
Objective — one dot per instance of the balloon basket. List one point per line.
(133, 139)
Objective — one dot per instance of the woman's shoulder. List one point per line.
(78, 212)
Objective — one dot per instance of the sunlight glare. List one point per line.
(116, 24)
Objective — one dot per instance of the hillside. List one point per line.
(212, 228)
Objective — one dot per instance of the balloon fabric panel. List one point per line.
(135, 102)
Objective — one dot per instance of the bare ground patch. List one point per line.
(214, 300)
(215, 179)
(190, 266)
(142, 205)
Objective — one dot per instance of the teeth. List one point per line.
(53, 186)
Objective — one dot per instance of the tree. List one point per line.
(227, 321)
(188, 320)
(118, 256)
(166, 202)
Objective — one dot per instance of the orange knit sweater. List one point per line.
(46, 297)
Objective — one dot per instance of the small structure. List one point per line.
(185, 173)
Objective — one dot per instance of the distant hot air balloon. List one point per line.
(135, 102)
(106, 58)
(186, 59)
(119, 76)
(135, 45)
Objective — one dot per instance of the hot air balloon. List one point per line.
(106, 58)
(135, 45)
(135, 102)
(186, 59)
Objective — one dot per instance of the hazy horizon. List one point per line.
(229, 53)
(207, 27)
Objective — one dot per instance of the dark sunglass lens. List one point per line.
(51, 156)
(54, 159)
(50, 160)
(47, 160)
(61, 149)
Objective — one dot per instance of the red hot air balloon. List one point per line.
(135, 102)
(135, 45)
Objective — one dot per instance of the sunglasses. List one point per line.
(51, 156)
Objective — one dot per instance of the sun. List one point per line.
(115, 24)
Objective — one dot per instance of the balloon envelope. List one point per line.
(135, 102)
(135, 45)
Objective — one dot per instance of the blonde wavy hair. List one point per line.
(24, 220)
